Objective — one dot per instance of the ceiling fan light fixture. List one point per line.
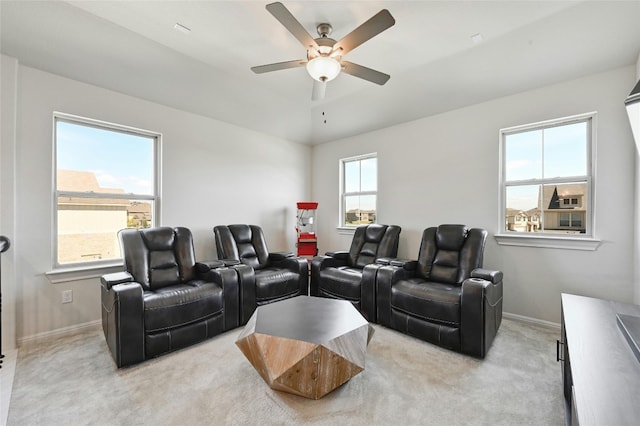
(323, 68)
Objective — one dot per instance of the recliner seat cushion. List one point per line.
(274, 283)
(181, 304)
(342, 281)
(433, 302)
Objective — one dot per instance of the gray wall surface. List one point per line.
(445, 169)
(212, 173)
(438, 169)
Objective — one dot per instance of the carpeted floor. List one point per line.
(73, 381)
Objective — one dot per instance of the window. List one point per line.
(546, 177)
(359, 187)
(571, 220)
(570, 201)
(105, 179)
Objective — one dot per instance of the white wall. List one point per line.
(8, 78)
(444, 169)
(440, 169)
(636, 252)
(213, 173)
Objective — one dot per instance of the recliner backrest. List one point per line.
(245, 243)
(448, 253)
(371, 242)
(158, 257)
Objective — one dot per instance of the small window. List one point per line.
(571, 220)
(105, 179)
(359, 190)
(547, 170)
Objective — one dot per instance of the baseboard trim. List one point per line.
(530, 320)
(92, 325)
(60, 332)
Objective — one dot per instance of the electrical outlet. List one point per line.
(67, 296)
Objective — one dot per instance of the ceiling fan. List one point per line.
(324, 55)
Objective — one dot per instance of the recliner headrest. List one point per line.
(451, 237)
(158, 238)
(241, 233)
(374, 233)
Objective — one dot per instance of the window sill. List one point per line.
(566, 243)
(79, 273)
(346, 230)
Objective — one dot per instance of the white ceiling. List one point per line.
(133, 48)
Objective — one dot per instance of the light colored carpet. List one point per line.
(73, 381)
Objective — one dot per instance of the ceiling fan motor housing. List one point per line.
(324, 29)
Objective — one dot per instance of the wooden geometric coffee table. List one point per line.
(306, 345)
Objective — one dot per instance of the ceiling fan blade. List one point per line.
(365, 73)
(278, 66)
(371, 28)
(319, 88)
(285, 17)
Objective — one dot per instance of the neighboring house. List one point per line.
(565, 208)
(138, 214)
(523, 221)
(357, 216)
(564, 211)
(88, 227)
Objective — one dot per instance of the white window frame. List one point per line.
(102, 265)
(586, 241)
(343, 194)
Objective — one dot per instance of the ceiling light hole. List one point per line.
(183, 29)
(477, 38)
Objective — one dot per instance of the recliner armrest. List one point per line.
(480, 311)
(295, 264)
(123, 319)
(279, 255)
(109, 280)
(204, 267)
(386, 278)
(406, 264)
(319, 263)
(487, 274)
(340, 255)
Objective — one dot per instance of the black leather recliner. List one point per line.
(342, 274)
(272, 277)
(164, 300)
(445, 297)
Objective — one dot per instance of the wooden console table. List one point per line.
(601, 374)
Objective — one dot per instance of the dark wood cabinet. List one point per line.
(601, 374)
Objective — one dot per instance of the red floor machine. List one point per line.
(306, 229)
